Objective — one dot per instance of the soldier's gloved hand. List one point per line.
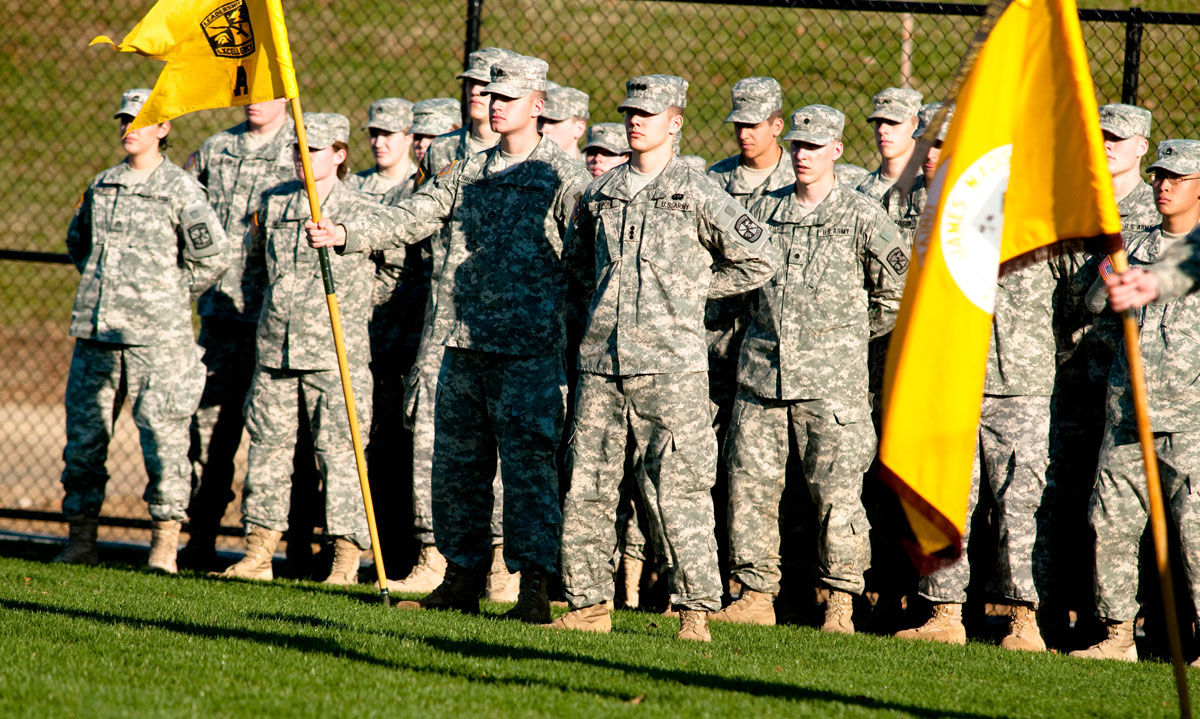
(1133, 288)
(325, 233)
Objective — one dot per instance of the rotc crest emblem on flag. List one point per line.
(229, 31)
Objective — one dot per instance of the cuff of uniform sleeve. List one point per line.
(1172, 283)
(354, 241)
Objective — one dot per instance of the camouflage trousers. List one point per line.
(1120, 510)
(163, 385)
(273, 407)
(491, 405)
(420, 392)
(836, 442)
(216, 428)
(670, 419)
(1013, 454)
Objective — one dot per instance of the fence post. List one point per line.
(474, 13)
(1133, 56)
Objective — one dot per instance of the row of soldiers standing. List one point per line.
(675, 302)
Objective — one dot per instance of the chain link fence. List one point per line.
(61, 95)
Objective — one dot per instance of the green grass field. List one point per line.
(118, 642)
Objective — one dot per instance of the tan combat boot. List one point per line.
(502, 586)
(751, 608)
(533, 601)
(260, 549)
(459, 591)
(631, 580)
(81, 541)
(1023, 632)
(1118, 645)
(346, 556)
(425, 577)
(839, 613)
(595, 618)
(693, 626)
(164, 546)
(945, 626)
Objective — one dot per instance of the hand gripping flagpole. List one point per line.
(279, 32)
(1158, 519)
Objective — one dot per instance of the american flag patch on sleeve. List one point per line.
(1106, 267)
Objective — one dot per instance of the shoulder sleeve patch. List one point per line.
(447, 168)
(191, 161)
(199, 232)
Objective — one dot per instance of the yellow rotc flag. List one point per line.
(1027, 110)
(219, 53)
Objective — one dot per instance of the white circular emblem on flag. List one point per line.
(971, 226)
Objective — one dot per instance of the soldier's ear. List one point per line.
(838, 148)
(1143, 146)
(676, 123)
(164, 129)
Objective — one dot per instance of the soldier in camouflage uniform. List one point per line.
(605, 147)
(895, 119)
(1086, 341)
(146, 244)
(565, 118)
(297, 371)
(432, 118)
(840, 285)
(236, 166)
(422, 381)
(647, 237)
(1171, 356)
(906, 211)
(500, 314)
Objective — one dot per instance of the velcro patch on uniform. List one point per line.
(830, 231)
(898, 260)
(906, 222)
(198, 233)
(748, 229)
(1106, 267)
(447, 168)
(199, 236)
(191, 161)
(674, 204)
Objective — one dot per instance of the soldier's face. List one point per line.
(1124, 155)
(648, 132)
(478, 106)
(565, 133)
(1175, 194)
(894, 139)
(812, 162)
(390, 148)
(324, 162)
(511, 114)
(931, 161)
(263, 114)
(600, 161)
(421, 143)
(757, 139)
(143, 139)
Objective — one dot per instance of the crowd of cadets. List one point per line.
(634, 329)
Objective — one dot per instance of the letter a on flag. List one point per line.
(1026, 110)
(219, 53)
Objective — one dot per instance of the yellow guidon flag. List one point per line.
(1026, 110)
(219, 53)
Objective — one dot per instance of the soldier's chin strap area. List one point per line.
(339, 345)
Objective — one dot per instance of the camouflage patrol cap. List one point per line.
(816, 124)
(754, 99)
(654, 93)
(895, 104)
(132, 101)
(479, 63)
(436, 116)
(322, 129)
(517, 76)
(1125, 121)
(1181, 157)
(564, 103)
(695, 162)
(926, 115)
(608, 136)
(391, 114)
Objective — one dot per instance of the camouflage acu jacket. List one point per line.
(236, 177)
(725, 174)
(1021, 359)
(838, 286)
(647, 262)
(502, 287)
(145, 252)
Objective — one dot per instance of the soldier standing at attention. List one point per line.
(1171, 352)
(431, 118)
(500, 314)
(565, 118)
(647, 237)
(906, 211)
(297, 372)
(839, 286)
(236, 166)
(478, 135)
(146, 244)
(605, 148)
(895, 119)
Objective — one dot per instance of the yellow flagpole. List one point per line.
(279, 33)
(1158, 519)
